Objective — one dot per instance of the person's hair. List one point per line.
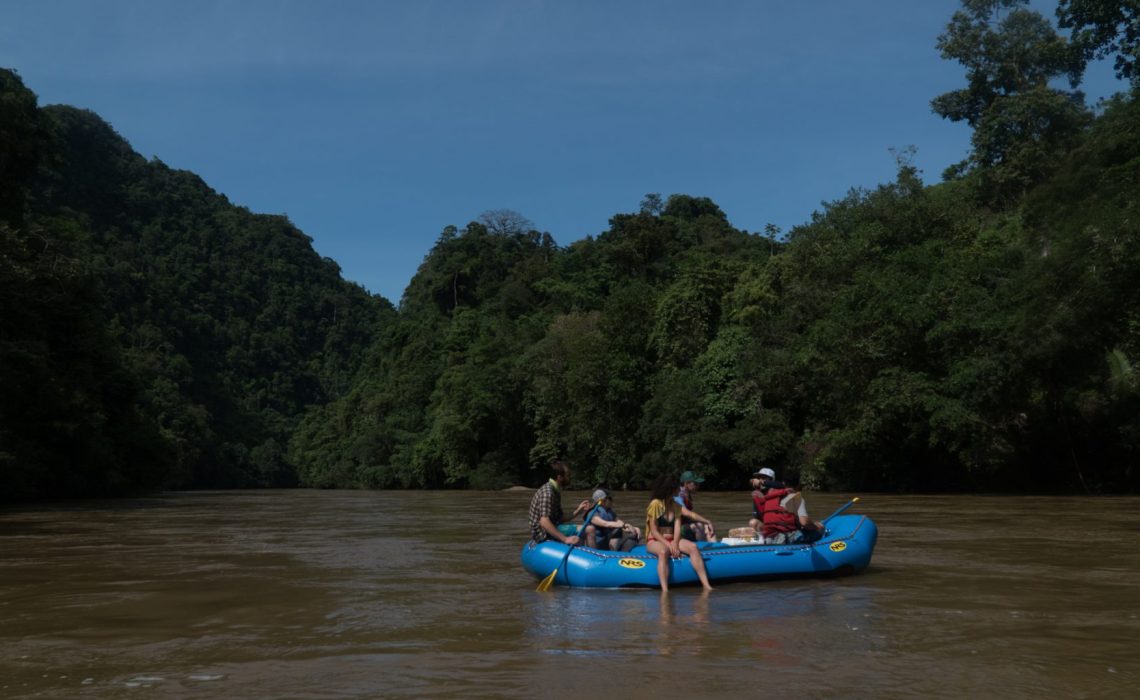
(560, 468)
(665, 486)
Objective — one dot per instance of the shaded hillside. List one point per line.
(211, 326)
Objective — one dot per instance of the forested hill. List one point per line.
(976, 334)
(909, 337)
(152, 334)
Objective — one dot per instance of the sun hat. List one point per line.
(766, 471)
(601, 495)
(689, 475)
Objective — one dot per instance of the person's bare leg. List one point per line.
(662, 551)
(698, 563)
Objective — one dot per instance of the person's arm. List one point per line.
(582, 508)
(697, 517)
(601, 522)
(556, 534)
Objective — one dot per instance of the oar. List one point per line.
(841, 508)
(545, 584)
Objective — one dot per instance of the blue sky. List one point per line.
(374, 124)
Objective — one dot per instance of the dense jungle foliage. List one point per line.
(153, 334)
(975, 334)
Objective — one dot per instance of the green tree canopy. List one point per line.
(1104, 28)
(1022, 125)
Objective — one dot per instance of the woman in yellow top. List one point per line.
(663, 528)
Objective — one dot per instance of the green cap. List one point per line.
(689, 475)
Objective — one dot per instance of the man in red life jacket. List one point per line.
(758, 480)
(781, 511)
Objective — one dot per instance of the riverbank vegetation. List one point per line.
(975, 334)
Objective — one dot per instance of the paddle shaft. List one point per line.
(581, 529)
(841, 508)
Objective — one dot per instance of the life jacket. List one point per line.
(603, 533)
(758, 504)
(758, 497)
(686, 499)
(776, 520)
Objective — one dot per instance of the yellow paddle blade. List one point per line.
(545, 584)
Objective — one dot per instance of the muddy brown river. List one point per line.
(342, 594)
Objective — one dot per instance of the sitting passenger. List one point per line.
(545, 514)
(694, 526)
(607, 531)
(663, 532)
(759, 478)
(784, 515)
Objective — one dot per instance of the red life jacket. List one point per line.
(758, 503)
(776, 520)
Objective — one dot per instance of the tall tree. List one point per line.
(1021, 123)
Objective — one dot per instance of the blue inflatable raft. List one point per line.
(846, 548)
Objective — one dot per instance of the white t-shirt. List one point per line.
(794, 500)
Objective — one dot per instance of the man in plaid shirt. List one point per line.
(545, 513)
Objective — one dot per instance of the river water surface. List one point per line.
(335, 594)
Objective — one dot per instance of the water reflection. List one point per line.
(782, 624)
(626, 622)
(684, 621)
